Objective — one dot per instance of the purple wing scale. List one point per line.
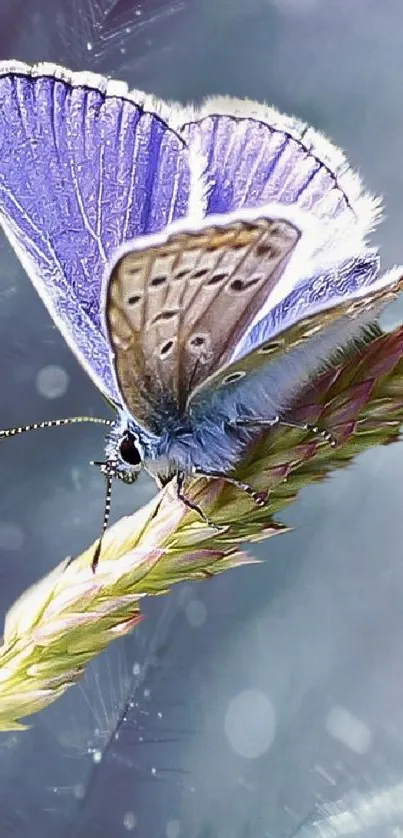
(83, 168)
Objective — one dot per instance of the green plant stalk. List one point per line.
(57, 626)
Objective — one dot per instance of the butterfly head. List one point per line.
(124, 453)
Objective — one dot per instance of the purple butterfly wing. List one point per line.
(252, 155)
(83, 167)
(348, 281)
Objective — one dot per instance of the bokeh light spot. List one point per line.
(52, 382)
(250, 723)
(129, 821)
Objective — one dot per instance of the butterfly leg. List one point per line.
(259, 497)
(180, 479)
(256, 421)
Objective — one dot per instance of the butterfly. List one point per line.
(203, 263)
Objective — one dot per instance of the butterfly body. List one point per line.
(211, 433)
(188, 446)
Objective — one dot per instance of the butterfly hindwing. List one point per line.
(178, 304)
(254, 155)
(319, 315)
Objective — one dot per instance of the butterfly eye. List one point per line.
(129, 451)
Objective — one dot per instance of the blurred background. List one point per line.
(267, 703)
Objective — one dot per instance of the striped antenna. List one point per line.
(109, 474)
(54, 423)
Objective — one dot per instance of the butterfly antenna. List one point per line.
(53, 423)
(107, 510)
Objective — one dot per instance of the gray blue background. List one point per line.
(267, 703)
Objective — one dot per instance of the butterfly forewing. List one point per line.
(83, 168)
(175, 308)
